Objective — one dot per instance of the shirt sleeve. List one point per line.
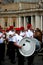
(14, 39)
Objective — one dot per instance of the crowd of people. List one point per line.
(12, 36)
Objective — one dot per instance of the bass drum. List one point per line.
(28, 46)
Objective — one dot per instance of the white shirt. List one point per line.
(17, 39)
(7, 35)
(22, 34)
(10, 33)
(1, 38)
(29, 33)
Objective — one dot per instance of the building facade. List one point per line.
(21, 13)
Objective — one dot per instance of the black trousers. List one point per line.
(20, 57)
(30, 60)
(11, 50)
(2, 51)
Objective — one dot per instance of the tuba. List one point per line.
(29, 46)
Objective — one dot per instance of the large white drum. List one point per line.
(28, 46)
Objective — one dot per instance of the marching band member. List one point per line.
(7, 37)
(29, 32)
(2, 46)
(22, 32)
(38, 37)
(16, 40)
(11, 50)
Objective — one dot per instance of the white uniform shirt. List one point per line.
(22, 34)
(29, 33)
(17, 39)
(1, 38)
(7, 35)
(11, 33)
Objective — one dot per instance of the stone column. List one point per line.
(20, 21)
(10, 21)
(41, 22)
(17, 22)
(25, 23)
(38, 21)
(2, 22)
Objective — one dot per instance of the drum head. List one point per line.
(28, 46)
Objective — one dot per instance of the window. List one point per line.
(28, 19)
(5, 9)
(5, 23)
(13, 23)
(22, 20)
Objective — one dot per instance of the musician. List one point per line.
(16, 40)
(7, 37)
(22, 31)
(2, 46)
(11, 49)
(37, 35)
(29, 32)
